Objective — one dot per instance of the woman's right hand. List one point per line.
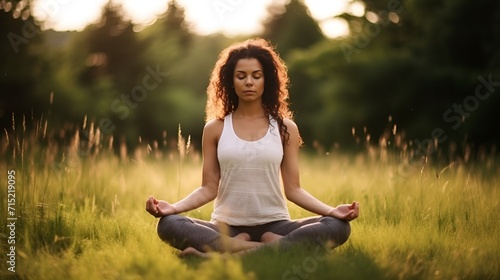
(159, 208)
(346, 212)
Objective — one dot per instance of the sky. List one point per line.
(205, 16)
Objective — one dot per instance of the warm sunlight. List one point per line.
(206, 17)
(75, 15)
(324, 12)
(230, 17)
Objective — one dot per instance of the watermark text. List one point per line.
(11, 220)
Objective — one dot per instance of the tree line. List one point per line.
(427, 70)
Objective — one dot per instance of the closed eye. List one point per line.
(257, 74)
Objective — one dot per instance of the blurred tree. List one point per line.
(22, 65)
(419, 62)
(456, 33)
(291, 27)
(455, 42)
(174, 24)
(113, 71)
(114, 51)
(73, 99)
(169, 43)
(168, 39)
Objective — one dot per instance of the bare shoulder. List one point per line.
(293, 130)
(291, 126)
(213, 129)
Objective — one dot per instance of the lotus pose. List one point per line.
(249, 141)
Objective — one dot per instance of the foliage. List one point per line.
(422, 63)
(291, 27)
(22, 65)
(418, 63)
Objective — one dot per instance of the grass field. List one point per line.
(83, 217)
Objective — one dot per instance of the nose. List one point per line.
(249, 81)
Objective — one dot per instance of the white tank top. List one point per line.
(250, 187)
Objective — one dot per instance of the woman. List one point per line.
(248, 140)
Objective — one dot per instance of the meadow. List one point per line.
(80, 213)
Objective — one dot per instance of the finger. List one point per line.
(151, 207)
(355, 214)
(150, 211)
(148, 204)
(153, 199)
(354, 205)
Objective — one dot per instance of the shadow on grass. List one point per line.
(314, 262)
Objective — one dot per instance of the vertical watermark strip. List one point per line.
(11, 220)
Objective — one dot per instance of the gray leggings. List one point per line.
(182, 232)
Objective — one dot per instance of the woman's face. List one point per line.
(248, 79)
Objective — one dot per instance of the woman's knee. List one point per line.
(339, 230)
(169, 225)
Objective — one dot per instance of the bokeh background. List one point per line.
(359, 70)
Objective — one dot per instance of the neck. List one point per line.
(249, 111)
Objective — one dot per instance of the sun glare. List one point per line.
(144, 12)
(231, 17)
(335, 27)
(67, 15)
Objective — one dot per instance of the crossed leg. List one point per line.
(193, 236)
(197, 237)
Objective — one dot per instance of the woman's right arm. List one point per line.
(210, 177)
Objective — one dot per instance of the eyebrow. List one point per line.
(241, 71)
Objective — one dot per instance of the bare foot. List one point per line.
(269, 237)
(243, 236)
(190, 251)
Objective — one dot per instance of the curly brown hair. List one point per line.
(222, 99)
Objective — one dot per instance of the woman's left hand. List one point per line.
(346, 212)
(159, 208)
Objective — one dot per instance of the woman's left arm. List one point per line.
(291, 182)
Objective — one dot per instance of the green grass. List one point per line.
(84, 217)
